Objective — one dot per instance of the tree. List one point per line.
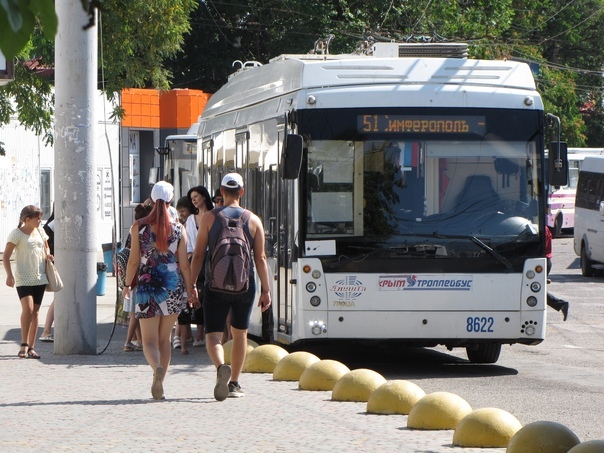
(136, 37)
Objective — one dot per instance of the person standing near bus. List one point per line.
(216, 303)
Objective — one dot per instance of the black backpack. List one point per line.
(230, 262)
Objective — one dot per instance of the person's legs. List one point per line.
(33, 326)
(227, 334)
(133, 325)
(150, 333)
(27, 308)
(176, 340)
(238, 352)
(184, 334)
(558, 304)
(164, 333)
(50, 318)
(215, 311)
(157, 348)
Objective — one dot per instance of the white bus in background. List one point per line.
(589, 216)
(403, 196)
(561, 200)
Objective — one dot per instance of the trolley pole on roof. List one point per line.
(75, 180)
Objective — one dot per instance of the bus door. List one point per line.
(284, 247)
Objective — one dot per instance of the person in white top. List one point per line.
(29, 242)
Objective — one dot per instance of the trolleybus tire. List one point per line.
(557, 230)
(586, 264)
(483, 352)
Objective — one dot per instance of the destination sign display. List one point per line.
(441, 124)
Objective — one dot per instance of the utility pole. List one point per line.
(75, 179)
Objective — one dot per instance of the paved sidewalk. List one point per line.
(102, 403)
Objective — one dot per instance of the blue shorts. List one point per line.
(37, 292)
(216, 306)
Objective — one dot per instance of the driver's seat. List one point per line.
(477, 195)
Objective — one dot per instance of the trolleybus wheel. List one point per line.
(586, 264)
(557, 230)
(483, 352)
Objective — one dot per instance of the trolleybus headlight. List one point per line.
(316, 273)
(531, 301)
(311, 287)
(315, 301)
(530, 274)
(535, 287)
(316, 327)
(529, 330)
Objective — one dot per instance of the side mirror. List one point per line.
(558, 163)
(291, 158)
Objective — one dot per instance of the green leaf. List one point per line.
(16, 14)
(45, 11)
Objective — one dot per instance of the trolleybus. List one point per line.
(403, 196)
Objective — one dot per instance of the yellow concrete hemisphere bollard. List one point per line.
(357, 385)
(591, 446)
(228, 346)
(263, 359)
(291, 367)
(322, 375)
(486, 428)
(438, 410)
(394, 397)
(543, 437)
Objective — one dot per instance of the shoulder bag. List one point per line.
(55, 284)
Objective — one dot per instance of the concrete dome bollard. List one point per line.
(439, 410)
(357, 385)
(322, 375)
(228, 346)
(543, 437)
(291, 367)
(486, 428)
(263, 359)
(591, 446)
(394, 397)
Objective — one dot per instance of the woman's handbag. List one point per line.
(55, 284)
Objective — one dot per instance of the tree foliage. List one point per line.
(563, 41)
(138, 37)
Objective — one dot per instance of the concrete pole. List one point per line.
(75, 180)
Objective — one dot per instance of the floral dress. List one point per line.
(160, 290)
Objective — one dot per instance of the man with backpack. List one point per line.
(230, 235)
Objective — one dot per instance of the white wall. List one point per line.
(26, 155)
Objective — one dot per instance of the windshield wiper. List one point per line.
(479, 243)
(401, 249)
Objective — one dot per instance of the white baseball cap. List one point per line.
(232, 181)
(162, 191)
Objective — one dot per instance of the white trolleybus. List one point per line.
(403, 197)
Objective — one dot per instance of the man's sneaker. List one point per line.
(235, 390)
(176, 343)
(223, 376)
